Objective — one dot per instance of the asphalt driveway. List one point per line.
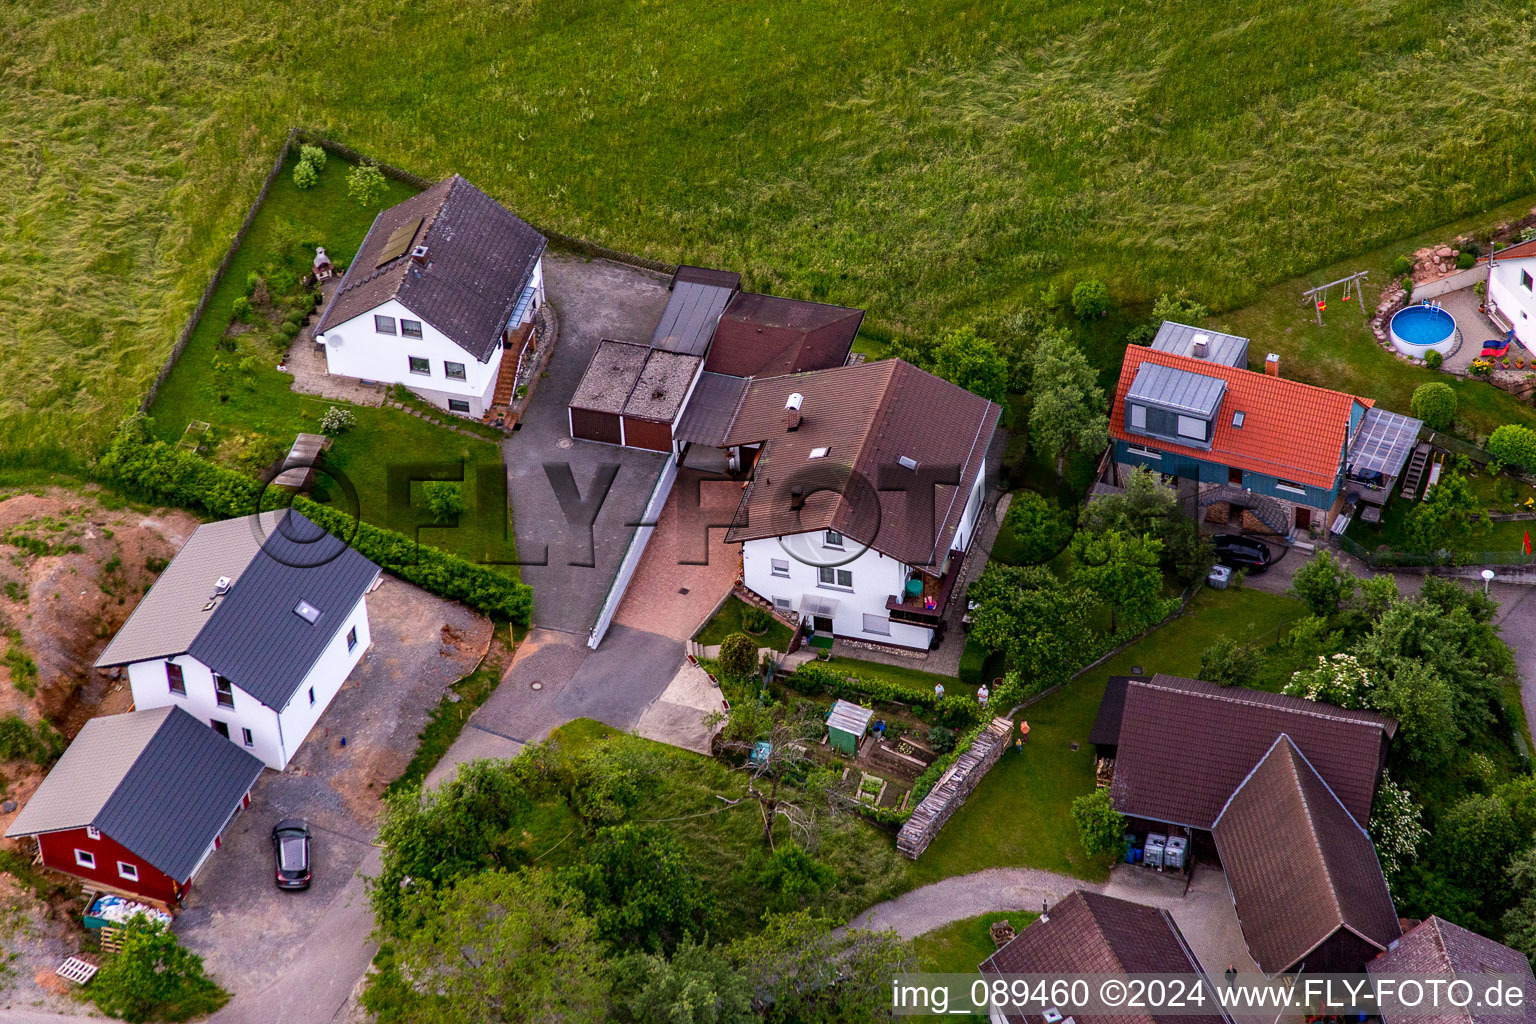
(250, 935)
(595, 299)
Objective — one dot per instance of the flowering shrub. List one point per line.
(1339, 680)
(337, 420)
(1481, 367)
(1396, 827)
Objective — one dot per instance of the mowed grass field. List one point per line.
(935, 163)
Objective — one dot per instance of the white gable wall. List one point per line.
(1516, 304)
(325, 678)
(151, 689)
(276, 737)
(355, 348)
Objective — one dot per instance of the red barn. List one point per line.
(138, 802)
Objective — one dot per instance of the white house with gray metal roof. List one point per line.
(252, 629)
(138, 802)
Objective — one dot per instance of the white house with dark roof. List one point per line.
(251, 629)
(138, 802)
(440, 298)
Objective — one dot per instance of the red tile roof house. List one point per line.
(1276, 788)
(138, 802)
(439, 298)
(1285, 453)
(866, 485)
(1512, 290)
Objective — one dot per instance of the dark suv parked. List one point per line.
(1242, 552)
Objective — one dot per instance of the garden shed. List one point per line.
(846, 726)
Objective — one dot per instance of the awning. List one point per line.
(815, 604)
(1382, 444)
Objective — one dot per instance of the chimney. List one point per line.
(419, 255)
(1197, 347)
(1272, 365)
(797, 497)
(792, 412)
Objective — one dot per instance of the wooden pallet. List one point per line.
(76, 970)
(111, 939)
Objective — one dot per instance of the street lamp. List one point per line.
(1487, 579)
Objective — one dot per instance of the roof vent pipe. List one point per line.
(792, 411)
(221, 585)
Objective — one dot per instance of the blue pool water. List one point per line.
(1423, 325)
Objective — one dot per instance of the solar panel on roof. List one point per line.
(399, 241)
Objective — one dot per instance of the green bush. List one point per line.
(22, 742)
(251, 281)
(942, 740)
(157, 471)
(1514, 445)
(305, 176)
(738, 656)
(1141, 334)
(1090, 299)
(755, 620)
(1100, 827)
(1434, 403)
(314, 156)
(1229, 663)
(337, 420)
(1433, 359)
(153, 978)
(1465, 260)
(1407, 288)
(366, 184)
(813, 678)
(445, 500)
(1034, 530)
(240, 309)
(1402, 265)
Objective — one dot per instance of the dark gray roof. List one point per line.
(711, 409)
(1227, 349)
(159, 782)
(1180, 390)
(480, 257)
(254, 638)
(693, 310)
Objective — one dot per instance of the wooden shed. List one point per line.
(846, 726)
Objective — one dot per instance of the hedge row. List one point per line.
(814, 678)
(160, 472)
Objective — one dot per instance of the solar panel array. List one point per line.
(1383, 443)
(399, 241)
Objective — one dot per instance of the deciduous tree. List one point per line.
(1066, 404)
(1122, 571)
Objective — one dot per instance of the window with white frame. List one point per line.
(92, 832)
(176, 678)
(384, 324)
(1192, 426)
(877, 624)
(410, 328)
(85, 858)
(419, 366)
(832, 539)
(1286, 485)
(352, 638)
(311, 696)
(1526, 282)
(782, 604)
(1139, 417)
(457, 405)
(128, 871)
(247, 737)
(830, 577)
(779, 566)
(454, 371)
(224, 691)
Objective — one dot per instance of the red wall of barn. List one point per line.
(59, 853)
(647, 434)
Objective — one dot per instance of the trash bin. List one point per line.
(1219, 577)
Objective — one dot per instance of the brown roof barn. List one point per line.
(769, 336)
(479, 258)
(862, 432)
(1089, 933)
(1437, 947)
(1186, 745)
(1304, 877)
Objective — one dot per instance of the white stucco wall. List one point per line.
(275, 738)
(355, 349)
(151, 689)
(1515, 304)
(329, 672)
(875, 578)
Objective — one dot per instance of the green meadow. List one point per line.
(935, 163)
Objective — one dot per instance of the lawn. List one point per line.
(725, 841)
(728, 620)
(935, 163)
(960, 946)
(262, 414)
(1020, 815)
(1493, 541)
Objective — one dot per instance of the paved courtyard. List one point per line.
(571, 567)
(1475, 328)
(248, 932)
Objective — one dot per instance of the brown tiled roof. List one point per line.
(610, 376)
(768, 336)
(868, 416)
(480, 257)
(1106, 724)
(1437, 947)
(1089, 933)
(1186, 745)
(1519, 250)
(1290, 430)
(1299, 865)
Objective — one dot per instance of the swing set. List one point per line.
(1354, 288)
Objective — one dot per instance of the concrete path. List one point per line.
(677, 716)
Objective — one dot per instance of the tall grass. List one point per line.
(933, 162)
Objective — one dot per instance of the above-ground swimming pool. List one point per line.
(1418, 329)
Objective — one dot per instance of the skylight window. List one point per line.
(306, 611)
(1237, 419)
(907, 462)
(820, 453)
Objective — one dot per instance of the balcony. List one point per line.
(926, 608)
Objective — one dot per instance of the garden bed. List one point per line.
(728, 620)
